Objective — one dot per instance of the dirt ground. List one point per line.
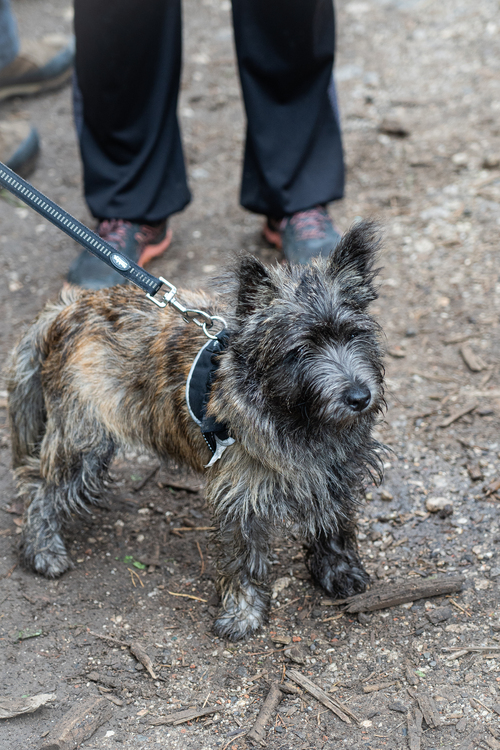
(419, 87)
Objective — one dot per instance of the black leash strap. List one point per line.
(78, 231)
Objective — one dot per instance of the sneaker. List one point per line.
(140, 243)
(19, 146)
(304, 235)
(40, 66)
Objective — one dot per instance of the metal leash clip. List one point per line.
(200, 318)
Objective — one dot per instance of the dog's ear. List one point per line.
(351, 263)
(255, 287)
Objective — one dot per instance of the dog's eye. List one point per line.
(355, 334)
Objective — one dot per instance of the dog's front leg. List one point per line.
(335, 564)
(243, 565)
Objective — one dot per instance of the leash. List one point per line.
(106, 252)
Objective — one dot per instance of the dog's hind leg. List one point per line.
(66, 478)
(334, 563)
(243, 564)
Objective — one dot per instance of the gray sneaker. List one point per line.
(304, 235)
(41, 65)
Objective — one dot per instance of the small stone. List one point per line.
(435, 504)
(440, 614)
(495, 626)
(399, 707)
(385, 495)
(363, 618)
(491, 161)
(295, 654)
(495, 572)
(393, 126)
(475, 472)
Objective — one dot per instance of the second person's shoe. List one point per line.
(140, 243)
(304, 235)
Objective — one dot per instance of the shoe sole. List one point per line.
(273, 236)
(153, 251)
(36, 87)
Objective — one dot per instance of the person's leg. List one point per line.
(293, 161)
(27, 67)
(293, 155)
(128, 61)
(9, 40)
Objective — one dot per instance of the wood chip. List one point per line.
(379, 686)
(414, 721)
(477, 649)
(10, 707)
(459, 413)
(180, 717)
(339, 709)
(137, 650)
(258, 732)
(428, 707)
(472, 360)
(78, 724)
(400, 592)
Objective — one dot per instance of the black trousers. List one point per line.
(128, 64)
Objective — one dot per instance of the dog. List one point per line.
(298, 388)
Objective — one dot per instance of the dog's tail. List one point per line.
(27, 414)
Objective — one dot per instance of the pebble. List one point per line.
(435, 504)
(385, 495)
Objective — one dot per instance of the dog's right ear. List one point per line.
(255, 287)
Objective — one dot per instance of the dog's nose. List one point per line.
(358, 397)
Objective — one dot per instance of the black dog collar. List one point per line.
(198, 387)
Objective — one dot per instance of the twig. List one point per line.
(180, 717)
(375, 687)
(457, 605)
(193, 528)
(202, 570)
(108, 638)
(232, 739)
(478, 649)
(139, 653)
(338, 708)
(188, 596)
(400, 592)
(414, 721)
(335, 617)
(460, 413)
(146, 480)
(132, 574)
(257, 732)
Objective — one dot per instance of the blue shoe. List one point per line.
(140, 243)
(40, 66)
(19, 146)
(304, 235)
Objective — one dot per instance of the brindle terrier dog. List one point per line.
(299, 387)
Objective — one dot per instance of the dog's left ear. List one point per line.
(353, 258)
(255, 287)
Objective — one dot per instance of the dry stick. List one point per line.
(414, 729)
(338, 708)
(180, 717)
(188, 596)
(202, 570)
(132, 574)
(139, 653)
(257, 733)
(146, 480)
(378, 686)
(193, 528)
(478, 649)
(428, 707)
(390, 595)
(460, 413)
(78, 724)
(108, 638)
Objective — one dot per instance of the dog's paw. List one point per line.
(50, 560)
(241, 615)
(340, 577)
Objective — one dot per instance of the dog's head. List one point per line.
(305, 349)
